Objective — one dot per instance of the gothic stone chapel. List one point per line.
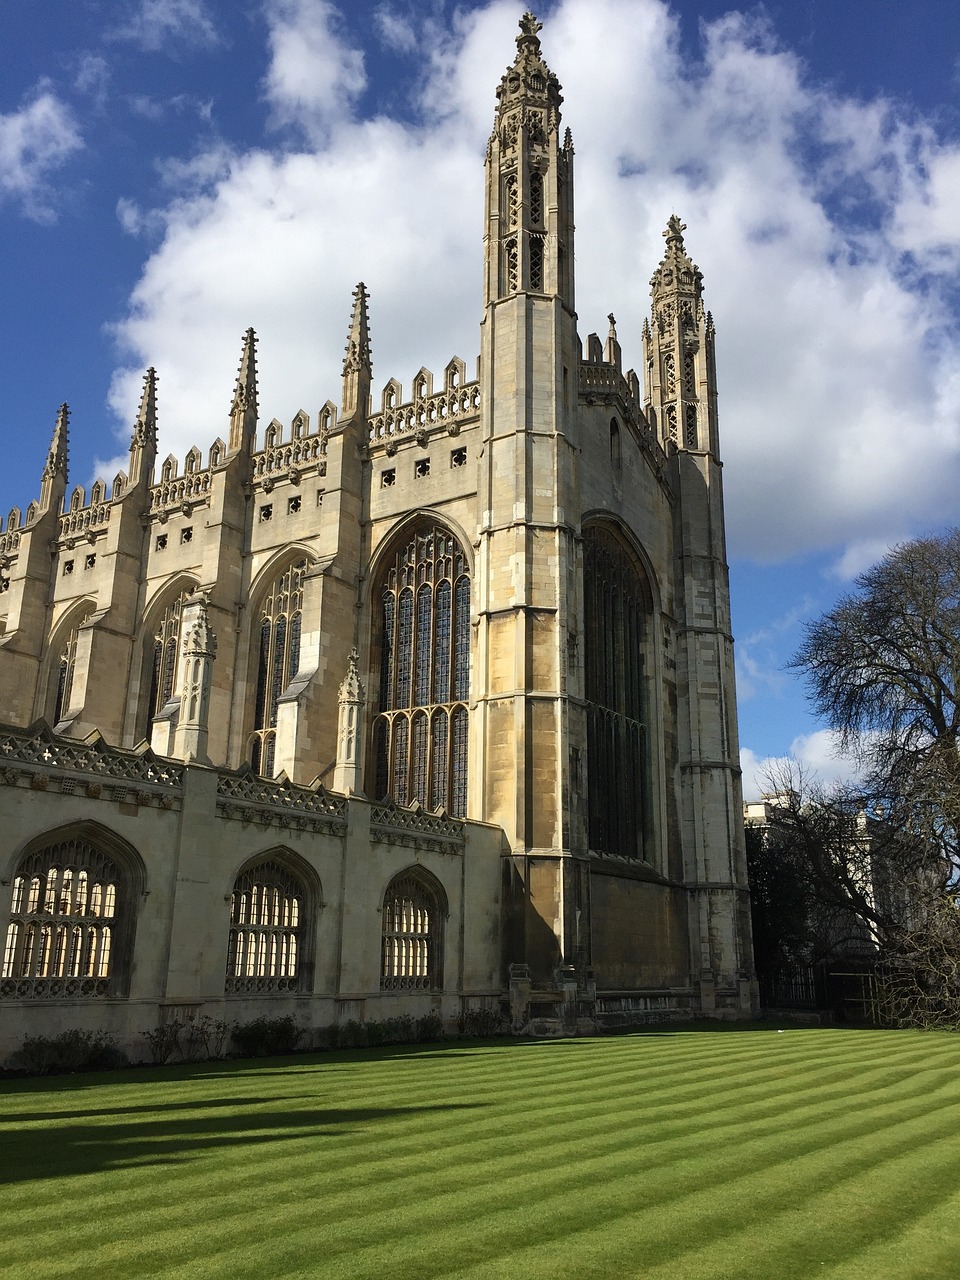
(423, 704)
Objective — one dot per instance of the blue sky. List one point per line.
(172, 171)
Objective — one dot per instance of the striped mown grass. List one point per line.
(700, 1154)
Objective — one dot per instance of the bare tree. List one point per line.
(883, 668)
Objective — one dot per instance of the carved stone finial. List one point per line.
(613, 324)
(529, 26)
(351, 687)
(675, 230)
(200, 640)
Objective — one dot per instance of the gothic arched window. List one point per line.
(70, 926)
(164, 655)
(616, 607)
(278, 659)
(268, 919)
(422, 638)
(65, 670)
(412, 952)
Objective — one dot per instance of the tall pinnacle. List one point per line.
(243, 410)
(357, 362)
(358, 338)
(57, 457)
(145, 427)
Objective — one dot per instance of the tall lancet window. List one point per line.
(617, 609)
(278, 660)
(164, 659)
(422, 640)
(65, 671)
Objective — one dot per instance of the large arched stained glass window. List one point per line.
(278, 659)
(69, 923)
(164, 657)
(616, 606)
(422, 637)
(267, 922)
(413, 910)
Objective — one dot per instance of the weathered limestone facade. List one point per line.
(503, 597)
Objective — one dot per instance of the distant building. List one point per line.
(527, 563)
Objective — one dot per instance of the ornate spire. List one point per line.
(56, 464)
(530, 80)
(358, 338)
(145, 427)
(243, 410)
(677, 270)
(357, 362)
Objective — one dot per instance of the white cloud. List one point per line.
(824, 227)
(34, 142)
(817, 754)
(314, 75)
(156, 25)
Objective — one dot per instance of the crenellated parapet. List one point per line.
(304, 452)
(450, 409)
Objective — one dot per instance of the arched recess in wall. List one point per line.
(413, 912)
(420, 661)
(72, 917)
(155, 678)
(60, 667)
(274, 902)
(276, 620)
(619, 686)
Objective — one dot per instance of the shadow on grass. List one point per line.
(61, 1150)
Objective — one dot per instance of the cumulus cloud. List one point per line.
(824, 226)
(314, 75)
(34, 142)
(157, 25)
(817, 754)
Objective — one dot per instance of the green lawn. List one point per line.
(670, 1154)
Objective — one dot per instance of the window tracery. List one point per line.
(165, 660)
(412, 936)
(616, 611)
(265, 946)
(66, 921)
(66, 670)
(278, 660)
(422, 638)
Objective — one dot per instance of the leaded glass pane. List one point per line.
(264, 930)
(419, 771)
(56, 928)
(411, 944)
(424, 657)
(616, 607)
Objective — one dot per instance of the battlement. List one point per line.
(458, 401)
